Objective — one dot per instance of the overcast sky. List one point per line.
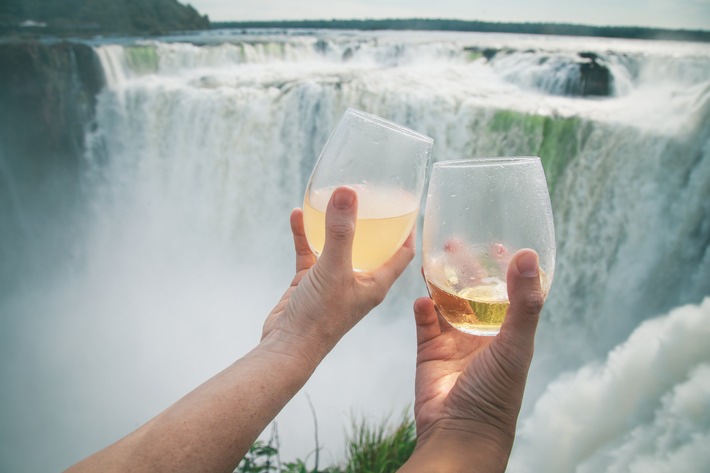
(689, 14)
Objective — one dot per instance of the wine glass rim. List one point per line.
(488, 161)
(389, 124)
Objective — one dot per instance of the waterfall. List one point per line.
(200, 146)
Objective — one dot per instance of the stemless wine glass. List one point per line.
(387, 165)
(479, 212)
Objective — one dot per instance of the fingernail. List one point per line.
(527, 264)
(343, 200)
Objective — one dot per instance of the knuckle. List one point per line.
(373, 290)
(409, 253)
(376, 299)
(340, 230)
(532, 302)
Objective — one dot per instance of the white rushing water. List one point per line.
(203, 144)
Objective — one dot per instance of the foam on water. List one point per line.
(646, 407)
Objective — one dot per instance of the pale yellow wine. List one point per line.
(384, 220)
(479, 310)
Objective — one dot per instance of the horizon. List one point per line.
(658, 14)
(559, 23)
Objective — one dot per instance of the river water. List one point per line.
(200, 147)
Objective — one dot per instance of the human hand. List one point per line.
(326, 297)
(225, 414)
(469, 389)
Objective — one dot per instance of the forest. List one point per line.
(631, 32)
(92, 17)
(28, 18)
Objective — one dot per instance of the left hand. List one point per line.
(326, 297)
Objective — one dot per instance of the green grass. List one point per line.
(379, 449)
(370, 448)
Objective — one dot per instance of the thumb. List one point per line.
(340, 228)
(526, 298)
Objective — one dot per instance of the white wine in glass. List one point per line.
(387, 165)
(479, 212)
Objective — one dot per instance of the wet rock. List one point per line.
(47, 96)
(594, 77)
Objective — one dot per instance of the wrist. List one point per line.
(497, 432)
(295, 350)
(455, 445)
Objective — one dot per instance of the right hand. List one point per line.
(468, 388)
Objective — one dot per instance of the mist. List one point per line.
(150, 263)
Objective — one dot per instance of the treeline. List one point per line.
(631, 32)
(98, 16)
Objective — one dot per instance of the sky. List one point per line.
(675, 14)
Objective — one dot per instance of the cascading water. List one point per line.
(201, 146)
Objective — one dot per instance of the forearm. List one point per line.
(212, 427)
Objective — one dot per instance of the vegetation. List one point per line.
(555, 139)
(27, 17)
(379, 450)
(98, 16)
(481, 26)
(370, 449)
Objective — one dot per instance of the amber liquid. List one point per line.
(478, 310)
(384, 220)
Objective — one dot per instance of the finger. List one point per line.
(388, 273)
(427, 320)
(525, 295)
(304, 256)
(340, 219)
(501, 255)
(459, 254)
(444, 324)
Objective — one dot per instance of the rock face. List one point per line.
(594, 77)
(47, 95)
(47, 101)
(580, 75)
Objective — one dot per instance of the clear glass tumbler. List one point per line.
(387, 165)
(479, 212)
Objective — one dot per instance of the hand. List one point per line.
(327, 298)
(469, 389)
(212, 427)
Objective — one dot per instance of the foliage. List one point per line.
(562, 140)
(556, 140)
(264, 458)
(370, 449)
(101, 16)
(377, 449)
(438, 24)
(260, 458)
